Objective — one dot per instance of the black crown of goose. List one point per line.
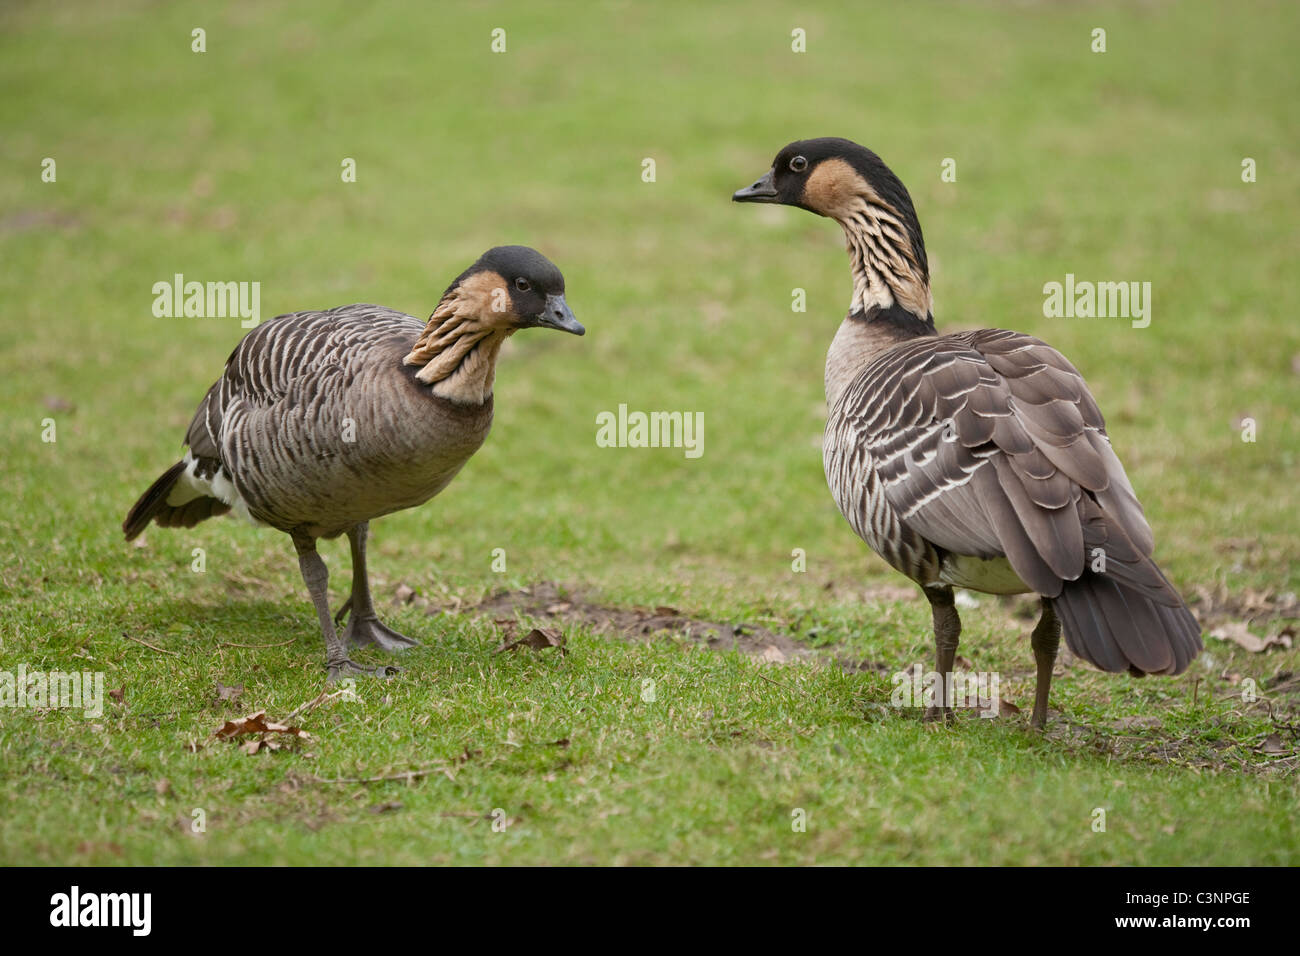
(534, 283)
(978, 459)
(786, 181)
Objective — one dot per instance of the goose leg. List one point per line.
(1046, 639)
(316, 577)
(364, 626)
(947, 630)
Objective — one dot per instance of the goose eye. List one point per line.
(798, 164)
(522, 284)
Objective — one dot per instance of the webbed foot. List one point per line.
(363, 631)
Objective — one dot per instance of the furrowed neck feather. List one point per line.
(458, 349)
(888, 263)
(891, 289)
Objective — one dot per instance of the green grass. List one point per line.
(1124, 166)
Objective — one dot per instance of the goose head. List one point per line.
(849, 183)
(511, 288)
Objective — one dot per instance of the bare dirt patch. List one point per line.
(546, 601)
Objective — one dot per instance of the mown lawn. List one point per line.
(225, 165)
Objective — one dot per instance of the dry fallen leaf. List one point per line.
(405, 594)
(257, 724)
(539, 638)
(119, 694)
(230, 693)
(1239, 634)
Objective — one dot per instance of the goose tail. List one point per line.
(1119, 625)
(153, 505)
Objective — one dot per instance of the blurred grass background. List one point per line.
(226, 166)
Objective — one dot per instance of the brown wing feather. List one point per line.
(989, 444)
(985, 443)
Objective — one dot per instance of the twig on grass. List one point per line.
(255, 646)
(150, 646)
(316, 701)
(799, 690)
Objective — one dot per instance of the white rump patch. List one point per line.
(190, 486)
